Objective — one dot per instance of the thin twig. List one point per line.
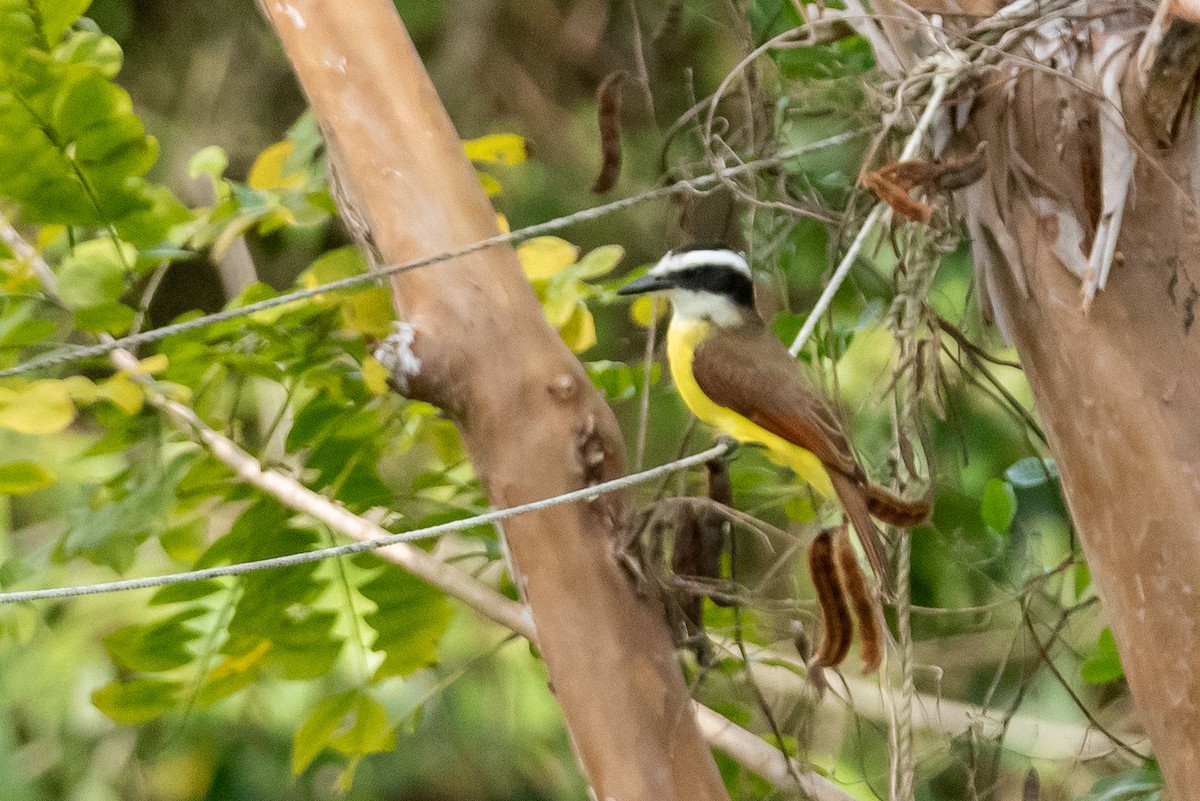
(639, 453)
(941, 83)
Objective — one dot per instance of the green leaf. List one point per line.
(95, 273)
(72, 151)
(136, 701)
(1031, 472)
(1104, 665)
(1141, 783)
(57, 16)
(315, 733)
(92, 48)
(618, 380)
(190, 591)
(370, 734)
(232, 674)
(600, 261)
(276, 610)
(409, 620)
(998, 506)
(22, 478)
(109, 524)
(366, 310)
(1083, 579)
(211, 161)
(108, 318)
(314, 420)
(352, 723)
(154, 647)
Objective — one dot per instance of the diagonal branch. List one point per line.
(744, 747)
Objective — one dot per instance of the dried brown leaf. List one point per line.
(835, 639)
(897, 197)
(608, 98)
(866, 611)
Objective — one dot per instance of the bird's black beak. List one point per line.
(647, 283)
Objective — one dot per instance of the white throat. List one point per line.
(693, 306)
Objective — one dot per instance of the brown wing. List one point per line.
(749, 371)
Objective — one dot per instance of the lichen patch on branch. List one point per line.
(397, 355)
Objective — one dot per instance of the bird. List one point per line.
(734, 374)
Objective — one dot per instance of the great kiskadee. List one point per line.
(735, 375)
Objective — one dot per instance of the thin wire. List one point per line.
(133, 341)
(587, 493)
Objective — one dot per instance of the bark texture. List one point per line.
(1086, 242)
(474, 342)
(1116, 379)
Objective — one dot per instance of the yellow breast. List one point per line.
(683, 336)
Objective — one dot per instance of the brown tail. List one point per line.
(895, 511)
(853, 496)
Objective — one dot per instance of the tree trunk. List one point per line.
(1086, 242)
(1115, 368)
(474, 342)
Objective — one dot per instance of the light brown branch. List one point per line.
(474, 341)
(744, 747)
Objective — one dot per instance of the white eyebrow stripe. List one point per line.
(674, 262)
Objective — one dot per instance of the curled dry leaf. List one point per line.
(892, 182)
(854, 581)
(700, 537)
(608, 98)
(687, 559)
(835, 639)
(897, 197)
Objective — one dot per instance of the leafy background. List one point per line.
(159, 157)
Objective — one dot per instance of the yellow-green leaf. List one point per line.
(375, 376)
(22, 478)
(335, 264)
(125, 393)
(136, 701)
(543, 256)
(600, 261)
(314, 734)
(94, 272)
(352, 722)
(503, 148)
(580, 331)
(646, 310)
(153, 365)
(370, 733)
(268, 170)
(210, 161)
(81, 389)
(367, 310)
(560, 301)
(491, 185)
(232, 674)
(40, 407)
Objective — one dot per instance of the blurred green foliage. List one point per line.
(149, 151)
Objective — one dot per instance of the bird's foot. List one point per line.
(728, 443)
